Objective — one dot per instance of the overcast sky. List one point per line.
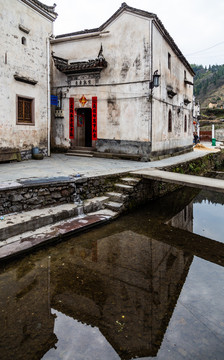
(197, 26)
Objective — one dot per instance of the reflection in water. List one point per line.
(213, 229)
(111, 293)
(203, 216)
(25, 317)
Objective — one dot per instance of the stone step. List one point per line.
(124, 188)
(30, 240)
(94, 204)
(78, 153)
(82, 148)
(114, 206)
(130, 180)
(116, 196)
(17, 223)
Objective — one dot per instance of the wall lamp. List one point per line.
(155, 80)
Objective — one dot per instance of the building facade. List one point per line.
(26, 26)
(103, 79)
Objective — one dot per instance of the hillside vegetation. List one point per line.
(209, 85)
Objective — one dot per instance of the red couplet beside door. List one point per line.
(94, 118)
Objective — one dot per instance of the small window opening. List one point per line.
(169, 61)
(23, 40)
(170, 121)
(185, 123)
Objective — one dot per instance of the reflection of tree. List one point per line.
(211, 196)
(129, 293)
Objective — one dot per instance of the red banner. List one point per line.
(94, 118)
(71, 118)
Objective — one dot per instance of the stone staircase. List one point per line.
(82, 151)
(20, 232)
(119, 198)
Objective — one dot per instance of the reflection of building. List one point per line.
(184, 219)
(126, 285)
(123, 282)
(27, 326)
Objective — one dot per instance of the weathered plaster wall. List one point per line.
(29, 60)
(134, 48)
(172, 78)
(122, 90)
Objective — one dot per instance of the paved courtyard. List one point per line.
(61, 165)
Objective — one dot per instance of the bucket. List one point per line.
(213, 142)
(35, 150)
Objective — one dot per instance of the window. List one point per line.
(169, 61)
(170, 121)
(23, 40)
(25, 111)
(185, 123)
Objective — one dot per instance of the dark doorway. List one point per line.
(84, 127)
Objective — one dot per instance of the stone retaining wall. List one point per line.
(29, 197)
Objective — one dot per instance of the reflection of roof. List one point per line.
(98, 292)
(46, 10)
(125, 8)
(96, 65)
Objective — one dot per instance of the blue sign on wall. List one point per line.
(54, 100)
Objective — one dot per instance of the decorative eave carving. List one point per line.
(25, 79)
(170, 92)
(187, 82)
(81, 67)
(24, 29)
(186, 101)
(45, 10)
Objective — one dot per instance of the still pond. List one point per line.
(149, 285)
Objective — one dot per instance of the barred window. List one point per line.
(25, 111)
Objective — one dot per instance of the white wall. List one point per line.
(123, 110)
(28, 60)
(124, 103)
(173, 78)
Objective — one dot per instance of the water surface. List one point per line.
(149, 285)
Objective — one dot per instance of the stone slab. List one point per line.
(181, 179)
(56, 232)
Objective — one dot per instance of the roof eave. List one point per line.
(125, 8)
(46, 11)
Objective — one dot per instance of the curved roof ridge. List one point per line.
(50, 9)
(41, 7)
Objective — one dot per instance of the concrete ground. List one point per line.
(61, 165)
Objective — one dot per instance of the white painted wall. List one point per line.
(174, 78)
(124, 104)
(28, 60)
(126, 49)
